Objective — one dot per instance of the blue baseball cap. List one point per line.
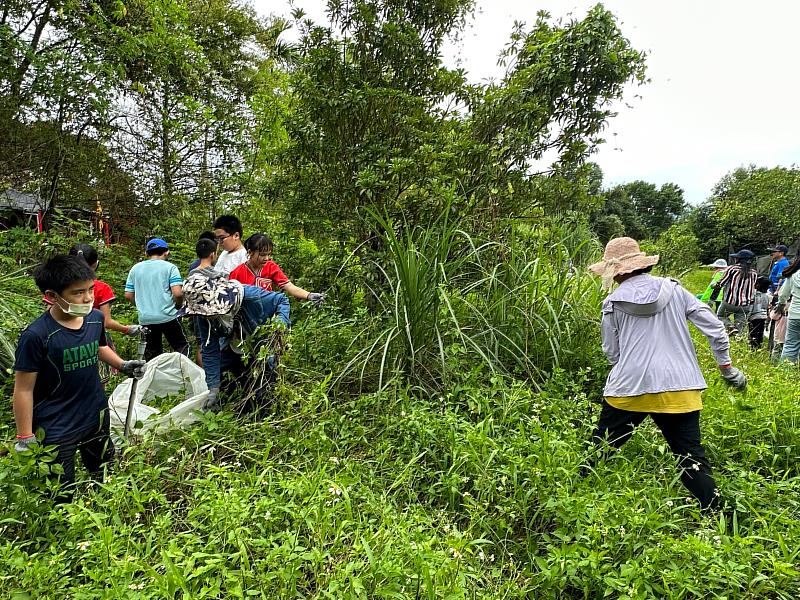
(156, 243)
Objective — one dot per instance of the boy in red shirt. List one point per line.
(261, 271)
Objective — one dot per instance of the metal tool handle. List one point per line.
(140, 350)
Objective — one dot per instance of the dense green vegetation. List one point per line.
(471, 493)
(429, 426)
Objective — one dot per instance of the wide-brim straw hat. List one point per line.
(622, 255)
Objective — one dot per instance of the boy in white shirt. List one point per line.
(228, 233)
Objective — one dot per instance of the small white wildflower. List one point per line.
(82, 545)
(695, 466)
(467, 495)
(335, 490)
(267, 515)
(138, 516)
(670, 503)
(621, 530)
(171, 459)
(717, 540)
(413, 545)
(334, 460)
(481, 555)
(403, 413)
(456, 554)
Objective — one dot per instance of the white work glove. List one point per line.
(136, 330)
(317, 298)
(23, 444)
(733, 377)
(133, 368)
(211, 403)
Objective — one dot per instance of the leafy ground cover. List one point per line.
(475, 493)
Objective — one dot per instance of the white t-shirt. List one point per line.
(228, 261)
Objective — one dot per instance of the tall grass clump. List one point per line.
(414, 332)
(531, 307)
(18, 307)
(452, 302)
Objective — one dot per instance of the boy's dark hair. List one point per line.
(207, 235)
(60, 272)
(156, 251)
(258, 242)
(762, 284)
(230, 223)
(641, 271)
(85, 251)
(205, 247)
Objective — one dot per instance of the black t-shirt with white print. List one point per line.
(68, 396)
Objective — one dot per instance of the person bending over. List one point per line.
(261, 271)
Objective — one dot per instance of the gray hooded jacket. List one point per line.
(646, 337)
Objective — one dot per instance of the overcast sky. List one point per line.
(724, 87)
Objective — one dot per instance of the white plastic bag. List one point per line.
(165, 375)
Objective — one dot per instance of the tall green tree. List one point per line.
(638, 209)
(377, 120)
(752, 207)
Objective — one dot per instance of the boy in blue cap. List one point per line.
(156, 288)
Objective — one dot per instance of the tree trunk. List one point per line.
(22, 69)
(168, 184)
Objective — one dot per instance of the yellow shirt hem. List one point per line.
(660, 402)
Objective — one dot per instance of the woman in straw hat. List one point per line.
(654, 366)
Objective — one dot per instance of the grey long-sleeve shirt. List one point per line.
(791, 289)
(655, 353)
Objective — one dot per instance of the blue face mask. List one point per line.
(76, 310)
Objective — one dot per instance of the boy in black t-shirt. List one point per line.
(56, 381)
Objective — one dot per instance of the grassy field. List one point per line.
(472, 494)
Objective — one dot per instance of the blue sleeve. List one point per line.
(129, 287)
(777, 272)
(30, 353)
(283, 310)
(175, 276)
(281, 307)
